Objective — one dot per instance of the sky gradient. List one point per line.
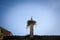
(15, 13)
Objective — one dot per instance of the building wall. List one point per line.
(5, 32)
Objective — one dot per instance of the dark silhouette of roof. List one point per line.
(35, 37)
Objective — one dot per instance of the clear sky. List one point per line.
(15, 13)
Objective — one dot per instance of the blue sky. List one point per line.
(15, 13)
